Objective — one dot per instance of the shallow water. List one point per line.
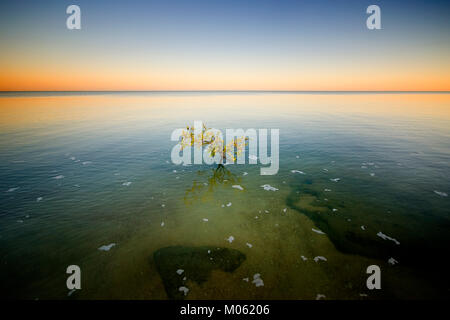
(67, 160)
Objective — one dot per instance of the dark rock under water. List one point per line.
(196, 262)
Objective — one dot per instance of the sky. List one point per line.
(225, 45)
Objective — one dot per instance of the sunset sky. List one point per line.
(225, 45)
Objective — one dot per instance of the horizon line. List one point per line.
(225, 91)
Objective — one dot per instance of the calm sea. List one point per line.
(370, 186)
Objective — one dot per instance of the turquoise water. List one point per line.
(67, 160)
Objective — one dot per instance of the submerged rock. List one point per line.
(196, 263)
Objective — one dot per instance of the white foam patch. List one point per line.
(184, 289)
(127, 184)
(58, 177)
(236, 186)
(297, 171)
(86, 163)
(327, 190)
(205, 219)
(317, 231)
(335, 179)
(385, 237)
(318, 258)
(257, 280)
(38, 199)
(106, 247)
(441, 193)
(12, 189)
(392, 261)
(71, 292)
(268, 187)
(245, 173)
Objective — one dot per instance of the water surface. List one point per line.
(79, 171)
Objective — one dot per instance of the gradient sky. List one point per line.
(225, 45)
